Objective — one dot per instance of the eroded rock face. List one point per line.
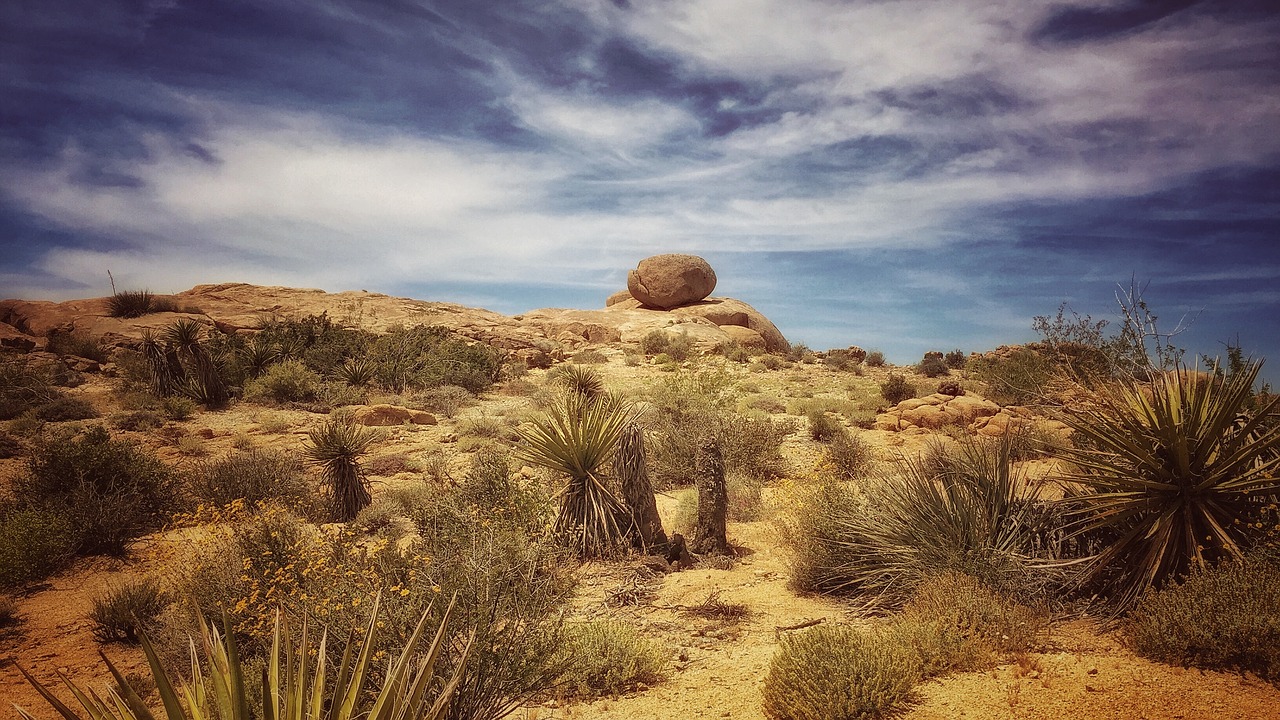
(975, 414)
(672, 280)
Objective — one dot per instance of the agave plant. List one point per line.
(295, 681)
(579, 379)
(356, 372)
(1169, 468)
(166, 374)
(258, 354)
(130, 303)
(577, 437)
(336, 446)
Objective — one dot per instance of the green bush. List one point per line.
(255, 476)
(425, 357)
(896, 389)
(875, 359)
(445, 400)
(1225, 617)
(678, 346)
(77, 344)
(125, 612)
(64, 409)
(824, 427)
(1023, 377)
(608, 658)
(112, 491)
(834, 672)
(932, 366)
(137, 420)
(287, 381)
(33, 544)
(955, 359)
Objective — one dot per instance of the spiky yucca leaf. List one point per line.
(295, 686)
(337, 446)
(258, 354)
(577, 437)
(1168, 466)
(580, 379)
(130, 303)
(356, 372)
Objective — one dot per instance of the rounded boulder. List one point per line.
(672, 280)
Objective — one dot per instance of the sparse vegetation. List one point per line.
(875, 359)
(255, 477)
(130, 303)
(896, 389)
(607, 658)
(128, 611)
(33, 544)
(337, 446)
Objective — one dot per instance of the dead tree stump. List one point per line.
(713, 500)
(629, 465)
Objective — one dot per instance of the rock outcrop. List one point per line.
(668, 281)
(971, 412)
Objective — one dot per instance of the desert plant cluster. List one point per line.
(294, 558)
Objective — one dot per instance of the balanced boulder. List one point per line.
(668, 281)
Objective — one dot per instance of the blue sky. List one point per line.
(898, 175)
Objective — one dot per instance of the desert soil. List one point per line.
(717, 667)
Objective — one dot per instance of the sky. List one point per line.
(900, 175)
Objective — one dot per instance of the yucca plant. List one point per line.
(165, 372)
(296, 681)
(971, 512)
(258, 354)
(336, 446)
(1169, 468)
(580, 379)
(130, 303)
(356, 372)
(577, 437)
(206, 384)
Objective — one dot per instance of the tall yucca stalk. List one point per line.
(578, 436)
(1169, 467)
(336, 446)
(295, 681)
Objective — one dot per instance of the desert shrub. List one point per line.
(932, 366)
(130, 303)
(799, 352)
(77, 344)
(971, 625)
(972, 513)
(33, 544)
(336, 447)
(733, 351)
(835, 672)
(589, 357)
(137, 420)
(875, 359)
(841, 359)
(608, 657)
(127, 611)
(770, 362)
(1223, 617)
(178, 408)
(578, 379)
(10, 447)
(423, 357)
(445, 400)
(24, 387)
(254, 476)
(896, 389)
(823, 427)
(848, 456)
(677, 346)
(767, 403)
(111, 490)
(1022, 377)
(955, 359)
(691, 406)
(1170, 468)
(64, 409)
(286, 381)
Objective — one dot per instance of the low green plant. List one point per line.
(356, 372)
(848, 456)
(124, 613)
(589, 356)
(875, 359)
(178, 408)
(24, 387)
(297, 680)
(1167, 467)
(824, 427)
(677, 346)
(445, 400)
(255, 476)
(111, 490)
(286, 381)
(1022, 377)
(580, 379)
(77, 344)
(137, 420)
(608, 657)
(337, 446)
(1222, 617)
(64, 409)
(33, 544)
(896, 389)
(836, 672)
(955, 359)
(932, 366)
